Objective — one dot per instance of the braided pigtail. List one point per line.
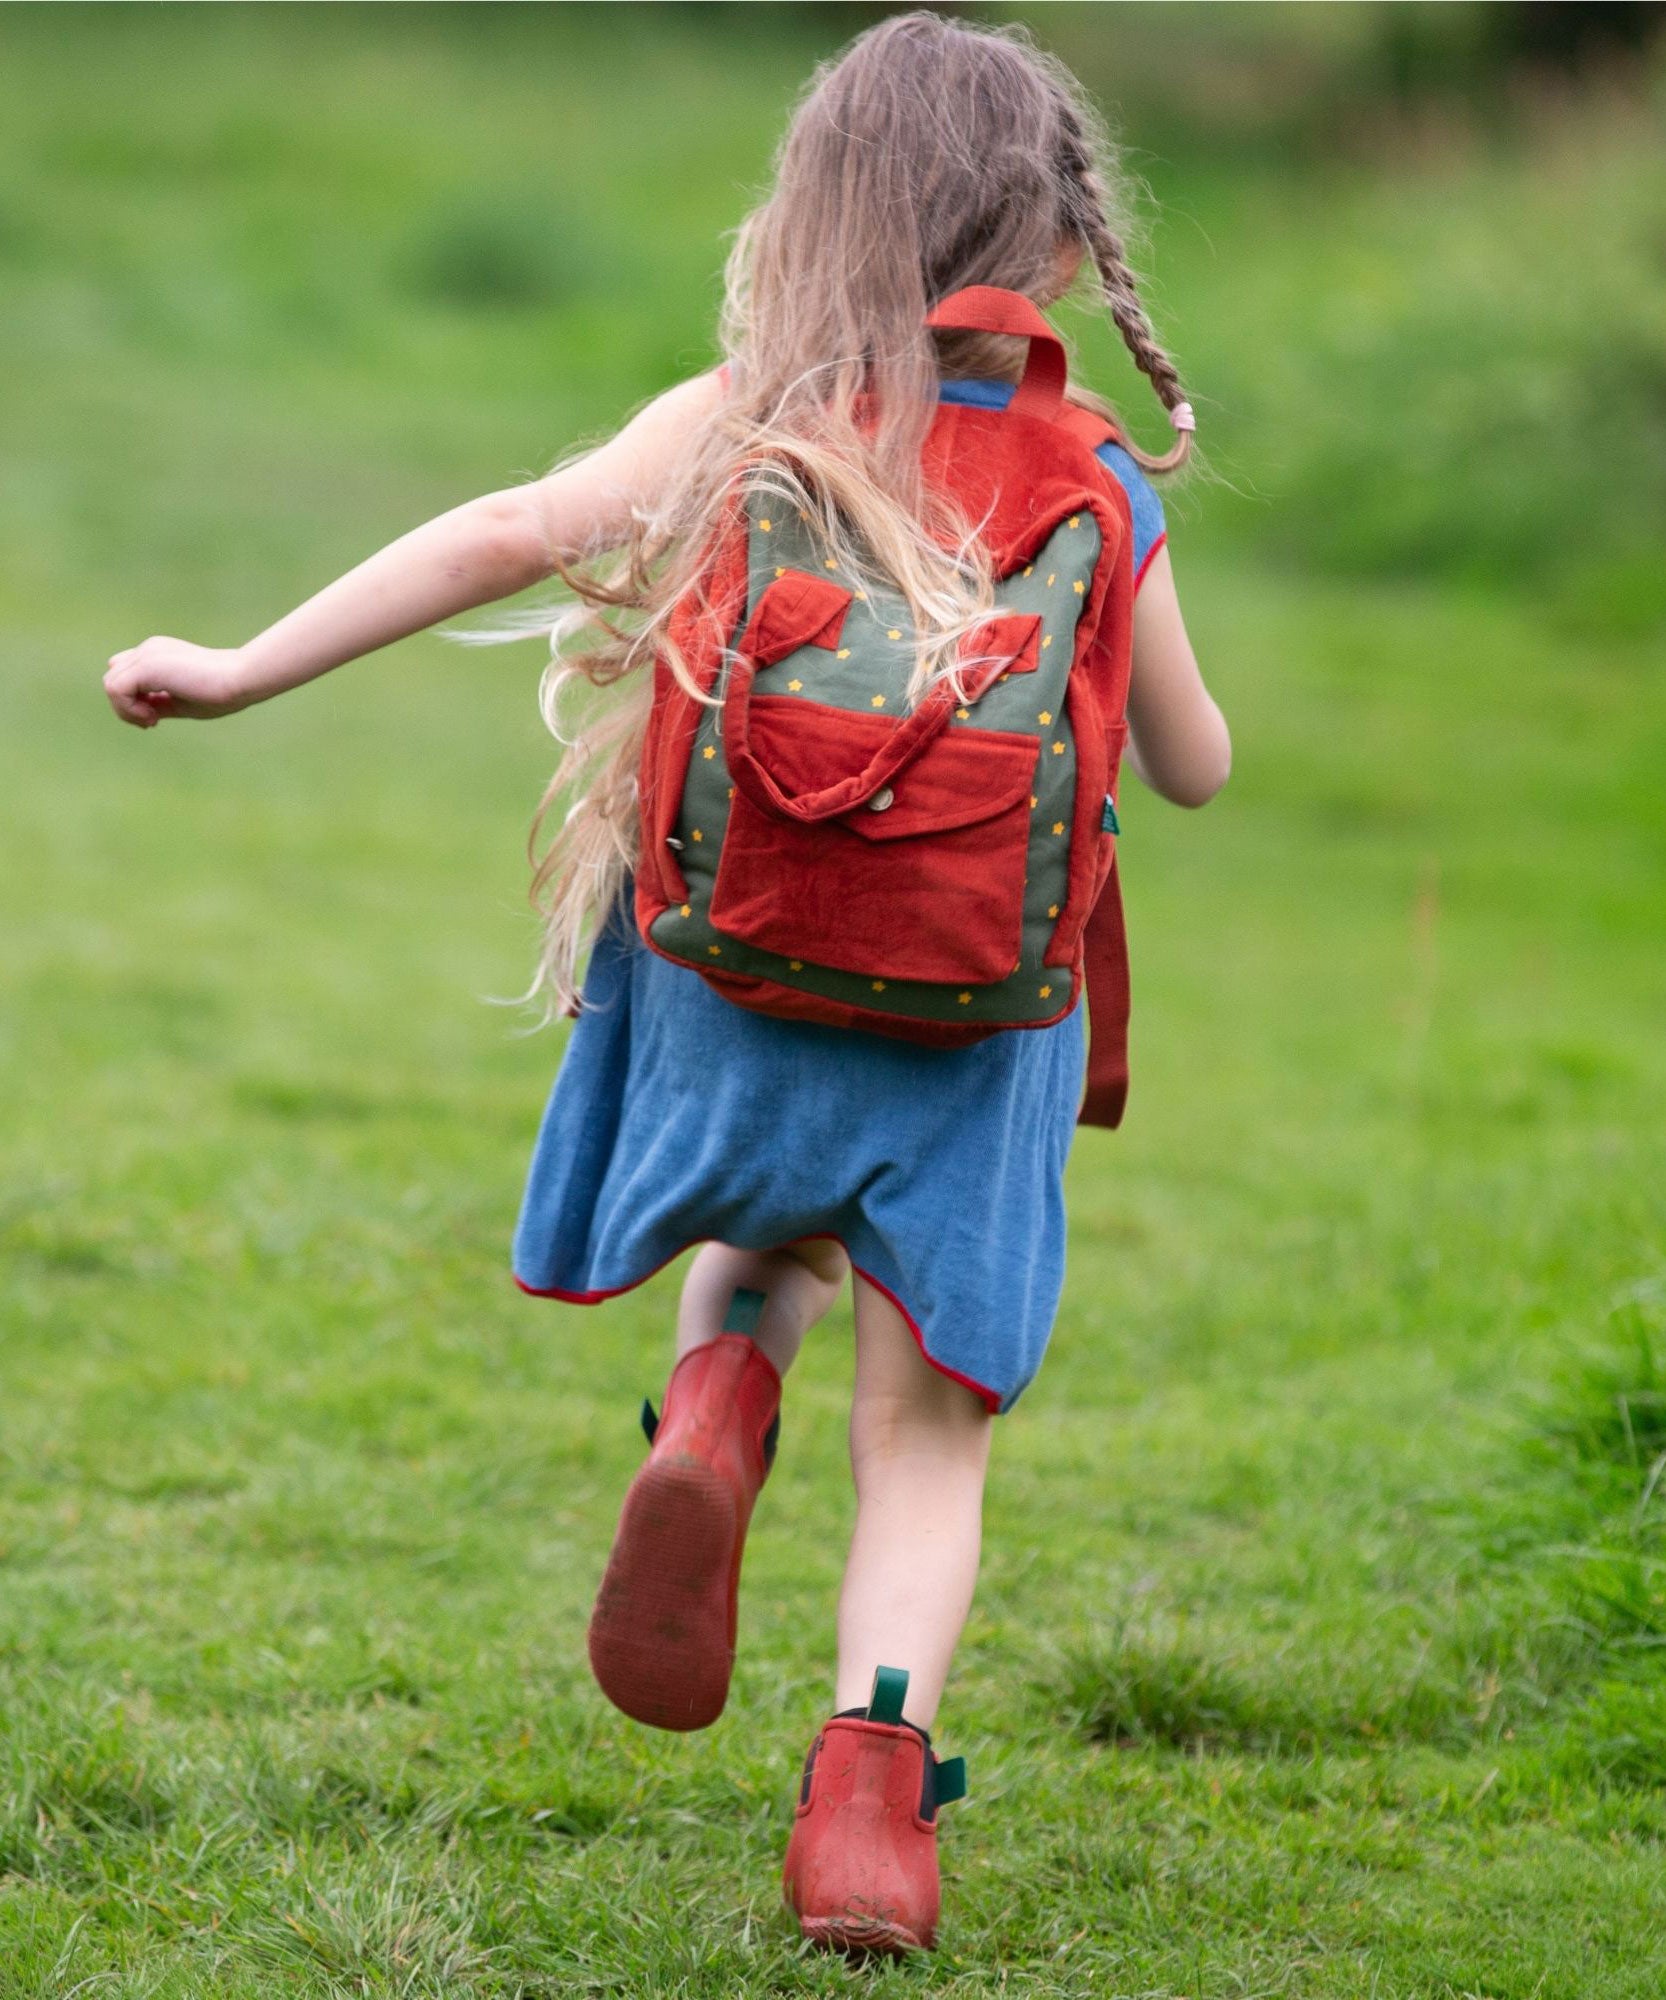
(1086, 213)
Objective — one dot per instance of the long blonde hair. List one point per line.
(928, 155)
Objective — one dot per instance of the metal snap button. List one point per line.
(882, 799)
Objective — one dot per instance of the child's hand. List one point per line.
(170, 677)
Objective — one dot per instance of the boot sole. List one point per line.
(860, 1937)
(659, 1633)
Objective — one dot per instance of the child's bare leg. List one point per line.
(919, 1445)
(799, 1282)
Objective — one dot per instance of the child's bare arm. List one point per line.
(1177, 737)
(487, 548)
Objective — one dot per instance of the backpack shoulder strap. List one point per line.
(1104, 938)
(1087, 425)
(1105, 974)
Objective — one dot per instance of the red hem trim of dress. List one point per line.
(1139, 574)
(990, 1399)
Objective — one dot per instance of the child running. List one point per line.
(862, 622)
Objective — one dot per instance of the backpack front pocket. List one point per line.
(922, 881)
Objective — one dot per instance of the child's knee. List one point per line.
(822, 1256)
(931, 1417)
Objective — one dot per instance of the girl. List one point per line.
(930, 156)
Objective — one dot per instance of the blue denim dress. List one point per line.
(678, 1117)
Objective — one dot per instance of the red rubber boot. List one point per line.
(662, 1634)
(861, 1868)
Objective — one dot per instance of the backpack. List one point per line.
(814, 849)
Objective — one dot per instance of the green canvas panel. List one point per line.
(869, 672)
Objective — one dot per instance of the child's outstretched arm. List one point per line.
(1177, 737)
(487, 548)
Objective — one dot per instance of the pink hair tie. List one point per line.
(1181, 417)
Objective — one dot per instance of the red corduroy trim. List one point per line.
(1139, 574)
(989, 1397)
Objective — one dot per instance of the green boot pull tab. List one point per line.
(745, 1310)
(949, 1779)
(890, 1685)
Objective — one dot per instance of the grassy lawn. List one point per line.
(1317, 1651)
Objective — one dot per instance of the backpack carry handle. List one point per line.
(995, 309)
(899, 750)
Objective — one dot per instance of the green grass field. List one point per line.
(1319, 1645)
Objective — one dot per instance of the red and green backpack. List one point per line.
(816, 850)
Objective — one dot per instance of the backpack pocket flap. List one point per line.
(1009, 644)
(962, 776)
(923, 880)
(797, 609)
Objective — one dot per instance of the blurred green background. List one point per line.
(1317, 1651)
